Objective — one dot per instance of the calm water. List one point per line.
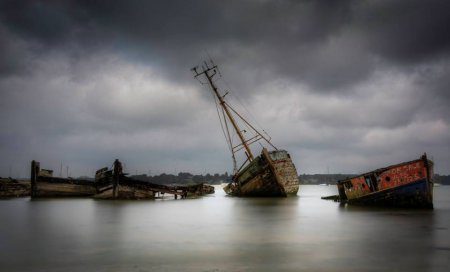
(219, 233)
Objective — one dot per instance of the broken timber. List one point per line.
(113, 184)
(108, 184)
(10, 188)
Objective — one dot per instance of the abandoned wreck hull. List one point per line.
(62, 189)
(124, 188)
(416, 195)
(10, 188)
(111, 186)
(408, 184)
(43, 184)
(272, 174)
(125, 192)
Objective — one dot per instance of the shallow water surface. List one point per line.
(220, 233)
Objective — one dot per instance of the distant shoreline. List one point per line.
(187, 178)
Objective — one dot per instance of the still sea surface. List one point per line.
(220, 233)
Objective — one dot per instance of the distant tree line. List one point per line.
(184, 178)
(314, 179)
(188, 178)
(323, 178)
(444, 180)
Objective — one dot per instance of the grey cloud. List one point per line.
(308, 41)
(405, 32)
(164, 31)
(324, 76)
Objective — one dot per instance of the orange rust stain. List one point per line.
(402, 174)
(359, 188)
(395, 176)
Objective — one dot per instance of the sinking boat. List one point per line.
(10, 188)
(114, 184)
(408, 184)
(44, 184)
(108, 184)
(269, 174)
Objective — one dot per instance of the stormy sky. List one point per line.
(344, 86)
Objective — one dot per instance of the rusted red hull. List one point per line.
(408, 184)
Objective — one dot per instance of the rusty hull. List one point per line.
(408, 184)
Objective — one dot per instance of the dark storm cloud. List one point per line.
(165, 30)
(334, 71)
(48, 21)
(405, 32)
(307, 41)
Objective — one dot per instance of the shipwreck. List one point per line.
(407, 184)
(114, 184)
(269, 174)
(44, 184)
(108, 184)
(10, 188)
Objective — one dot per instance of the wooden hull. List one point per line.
(409, 184)
(272, 174)
(126, 192)
(43, 184)
(13, 188)
(106, 186)
(122, 187)
(59, 187)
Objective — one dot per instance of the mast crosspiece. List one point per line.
(209, 71)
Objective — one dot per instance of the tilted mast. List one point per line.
(209, 73)
(209, 70)
(266, 174)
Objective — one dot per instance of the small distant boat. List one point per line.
(408, 184)
(323, 184)
(272, 173)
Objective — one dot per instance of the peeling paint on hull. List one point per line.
(414, 194)
(408, 184)
(270, 175)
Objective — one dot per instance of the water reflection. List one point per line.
(219, 233)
